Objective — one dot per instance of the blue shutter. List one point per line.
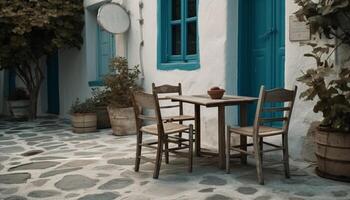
(106, 51)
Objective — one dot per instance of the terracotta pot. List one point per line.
(122, 120)
(20, 108)
(102, 117)
(216, 94)
(84, 122)
(333, 154)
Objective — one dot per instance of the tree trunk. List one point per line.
(34, 103)
(32, 77)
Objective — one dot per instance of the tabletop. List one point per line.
(205, 100)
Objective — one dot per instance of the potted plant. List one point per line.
(329, 85)
(120, 83)
(19, 104)
(83, 116)
(100, 97)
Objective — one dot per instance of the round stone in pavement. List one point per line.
(218, 197)
(71, 195)
(43, 193)
(340, 193)
(75, 182)
(38, 138)
(26, 135)
(15, 197)
(35, 165)
(102, 196)
(48, 158)
(15, 178)
(263, 198)
(305, 194)
(39, 182)
(22, 128)
(32, 152)
(122, 161)
(11, 132)
(247, 190)
(295, 198)
(8, 190)
(207, 190)
(58, 171)
(117, 183)
(213, 180)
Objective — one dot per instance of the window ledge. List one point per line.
(96, 83)
(188, 66)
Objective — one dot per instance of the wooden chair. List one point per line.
(149, 102)
(258, 131)
(170, 89)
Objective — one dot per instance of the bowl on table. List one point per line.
(216, 93)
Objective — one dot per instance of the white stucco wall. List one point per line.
(295, 63)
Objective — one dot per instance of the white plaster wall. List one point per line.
(73, 78)
(213, 47)
(295, 63)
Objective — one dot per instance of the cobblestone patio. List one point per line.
(45, 160)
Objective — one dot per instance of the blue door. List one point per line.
(53, 99)
(10, 82)
(261, 46)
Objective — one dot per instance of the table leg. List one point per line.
(243, 115)
(197, 111)
(221, 136)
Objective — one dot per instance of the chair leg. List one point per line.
(243, 144)
(285, 155)
(190, 153)
(228, 146)
(180, 135)
(261, 145)
(138, 151)
(158, 158)
(166, 152)
(258, 159)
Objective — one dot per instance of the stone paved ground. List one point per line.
(45, 160)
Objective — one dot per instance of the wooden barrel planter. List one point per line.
(84, 122)
(122, 121)
(333, 155)
(103, 121)
(20, 108)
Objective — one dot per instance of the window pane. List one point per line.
(191, 38)
(176, 9)
(176, 39)
(192, 8)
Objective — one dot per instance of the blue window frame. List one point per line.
(178, 35)
(105, 52)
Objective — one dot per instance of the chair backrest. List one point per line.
(168, 89)
(282, 101)
(143, 101)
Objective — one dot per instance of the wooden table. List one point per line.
(205, 100)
